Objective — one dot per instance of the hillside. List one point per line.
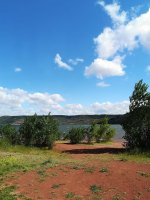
(64, 119)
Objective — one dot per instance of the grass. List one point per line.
(147, 175)
(104, 170)
(95, 189)
(20, 158)
(89, 169)
(7, 193)
(127, 156)
(56, 186)
(70, 195)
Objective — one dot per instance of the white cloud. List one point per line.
(18, 102)
(17, 69)
(104, 68)
(148, 68)
(118, 41)
(76, 61)
(113, 10)
(61, 64)
(21, 102)
(124, 37)
(103, 84)
(109, 108)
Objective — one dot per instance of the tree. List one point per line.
(103, 131)
(39, 131)
(137, 121)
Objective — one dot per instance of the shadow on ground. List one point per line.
(96, 151)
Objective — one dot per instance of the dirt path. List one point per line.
(93, 180)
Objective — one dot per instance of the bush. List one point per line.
(39, 131)
(89, 134)
(103, 131)
(76, 135)
(137, 122)
(9, 133)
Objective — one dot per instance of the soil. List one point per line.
(95, 180)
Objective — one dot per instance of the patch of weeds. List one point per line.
(7, 193)
(70, 195)
(123, 159)
(78, 198)
(104, 170)
(95, 189)
(46, 162)
(144, 174)
(116, 198)
(147, 189)
(55, 186)
(138, 196)
(23, 197)
(42, 173)
(89, 169)
(77, 167)
(54, 174)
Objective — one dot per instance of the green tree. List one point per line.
(103, 131)
(137, 121)
(39, 131)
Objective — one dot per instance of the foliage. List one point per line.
(137, 121)
(9, 134)
(39, 131)
(6, 193)
(103, 131)
(76, 135)
(89, 134)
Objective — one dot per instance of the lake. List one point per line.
(65, 129)
(119, 130)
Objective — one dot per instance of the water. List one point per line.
(119, 130)
(65, 129)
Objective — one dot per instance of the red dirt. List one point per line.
(122, 180)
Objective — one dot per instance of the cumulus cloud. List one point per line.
(109, 108)
(114, 11)
(17, 69)
(76, 61)
(61, 64)
(103, 84)
(18, 102)
(128, 36)
(117, 41)
(104, 68)
(21, 102)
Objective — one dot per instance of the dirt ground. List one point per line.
(88, 179)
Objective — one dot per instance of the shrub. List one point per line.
(39, 131)
(89, 134)
(9, 133)
(103, 131)
(76, 135)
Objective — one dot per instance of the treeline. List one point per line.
(66, 120)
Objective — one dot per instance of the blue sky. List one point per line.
(72, 56)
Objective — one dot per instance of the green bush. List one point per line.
(103, 131)
(89, 134)
(9, 133)
(39, 131)
(76, 135)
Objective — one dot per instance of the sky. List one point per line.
(72, 57)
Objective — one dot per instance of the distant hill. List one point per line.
(64, 119)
